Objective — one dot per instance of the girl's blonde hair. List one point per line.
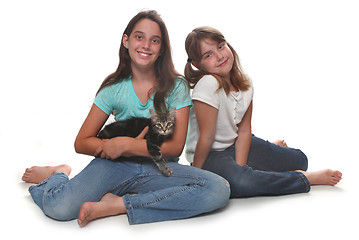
(238, 79)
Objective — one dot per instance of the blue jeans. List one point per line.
(147, 194)
(269, 170)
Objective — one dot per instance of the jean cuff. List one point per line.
(306, 181)
(129, 209)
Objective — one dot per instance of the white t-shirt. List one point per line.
(231, 109)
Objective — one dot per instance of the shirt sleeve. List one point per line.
(206, 90)
(104, 100)
(179, 96)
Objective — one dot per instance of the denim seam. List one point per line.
(130, 207)
(134, 178)
(141, 176)
(45, 193)
(165, 196)
(305, 159)
(126, 197)
(305, 180)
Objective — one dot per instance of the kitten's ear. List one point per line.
(153, 113)
(173, 112)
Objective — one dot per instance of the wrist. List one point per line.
(133, 147)
(125, 144)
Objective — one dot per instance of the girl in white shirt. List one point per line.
(220, 138)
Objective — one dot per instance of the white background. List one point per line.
(301, 55)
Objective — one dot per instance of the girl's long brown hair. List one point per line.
(164, 68)
(238, 79)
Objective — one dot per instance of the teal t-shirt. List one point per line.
(121, 100)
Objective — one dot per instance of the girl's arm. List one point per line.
(243, 141)
(127, 146)
(207, 119)
(86, 141)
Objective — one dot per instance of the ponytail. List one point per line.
(192, 75)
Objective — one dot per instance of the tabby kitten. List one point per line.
(161, 126)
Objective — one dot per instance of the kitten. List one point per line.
(161, 126)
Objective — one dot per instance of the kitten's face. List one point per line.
(164, 123)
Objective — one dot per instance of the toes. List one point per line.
(334, 180)
(338, 174)
(25, 176)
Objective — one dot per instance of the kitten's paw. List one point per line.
(168, 172)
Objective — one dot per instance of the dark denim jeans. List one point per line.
(269, 170)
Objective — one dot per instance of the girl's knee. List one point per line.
(304, 161)
(61, 212)
(242, 185)
(218, 192)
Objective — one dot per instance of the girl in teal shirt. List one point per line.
(132, 184)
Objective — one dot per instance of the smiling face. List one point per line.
(216, 58)
(143, 44)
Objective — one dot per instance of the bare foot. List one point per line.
(281, 143)
(109, 205)
(323, 177)
(38, 174)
